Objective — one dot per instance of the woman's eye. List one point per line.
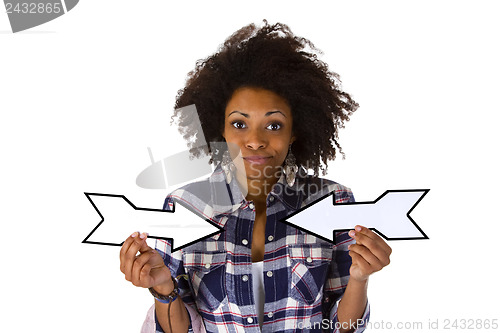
(238, 124)
(274, 127)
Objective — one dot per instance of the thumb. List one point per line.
(144, 245)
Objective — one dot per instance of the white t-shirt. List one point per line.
(258, 289)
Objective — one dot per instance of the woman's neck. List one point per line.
(257, 189)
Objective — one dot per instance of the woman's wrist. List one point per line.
(165, 288)
(358, 284)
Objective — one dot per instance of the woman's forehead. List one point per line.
(252, 101)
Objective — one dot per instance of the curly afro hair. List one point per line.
(273, 58)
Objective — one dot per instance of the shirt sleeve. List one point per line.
(339, 272)
(174, 262)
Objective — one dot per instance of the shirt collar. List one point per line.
(291, 196)
(227, 198)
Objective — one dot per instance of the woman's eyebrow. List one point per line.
(243, 114)
(273, 112)
(246, 115)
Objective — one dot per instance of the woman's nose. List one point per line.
(255, 140)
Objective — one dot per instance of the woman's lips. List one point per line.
(257, 159)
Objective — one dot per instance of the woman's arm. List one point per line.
(370, 254)
(176, 316)
(352, 305)
(148, 270)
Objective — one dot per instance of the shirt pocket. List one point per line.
(309, 266)
(207, 274)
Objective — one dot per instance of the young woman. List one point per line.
(278, 109)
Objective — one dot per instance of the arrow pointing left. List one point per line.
(182, 226)
(389, 215)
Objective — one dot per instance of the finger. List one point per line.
(375, 244)
(142, 262)
(358, 260)
(138, 243)
(144, 245)
(145, 277)
(154, 271)
(372, 235)
(374, 263)
(124, 249)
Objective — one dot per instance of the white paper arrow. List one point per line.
(120, 218)
(389, 215)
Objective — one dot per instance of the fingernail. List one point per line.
(143, 235)
(352, 233)
(358, 228)
(134, 234)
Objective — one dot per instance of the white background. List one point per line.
(83, 96)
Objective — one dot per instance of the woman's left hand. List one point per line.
(369, 255)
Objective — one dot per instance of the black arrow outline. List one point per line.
(171, 240)
(332, 193)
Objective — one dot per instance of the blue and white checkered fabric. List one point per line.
(304, 277)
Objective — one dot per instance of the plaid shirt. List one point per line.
(304, 277)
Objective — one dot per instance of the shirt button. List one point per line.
(244, 278)
(270, 238)
(207, 265)
(250, 320)
(309, 260)
(269, 274)
(244, 242)
(251, 206)
(271, 198)
(269, 314)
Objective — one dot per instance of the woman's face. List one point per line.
(258, 130)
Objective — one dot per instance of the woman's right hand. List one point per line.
(145, 269)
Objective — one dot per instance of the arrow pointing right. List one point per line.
(119, 218)
(389, 215)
